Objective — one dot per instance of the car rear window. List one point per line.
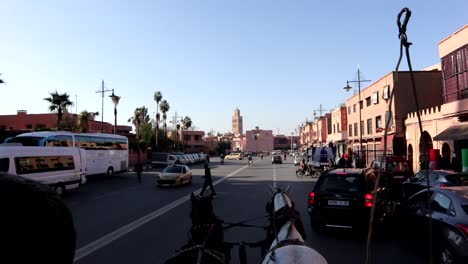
(344, 183)
(465, 208)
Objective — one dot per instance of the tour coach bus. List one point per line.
(61, 168)
(105, 153)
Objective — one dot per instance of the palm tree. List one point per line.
(186, 124)
(83, 120)
(140, 116)
(58, 103)
(164, 107)
(115, 100)
(157, 98)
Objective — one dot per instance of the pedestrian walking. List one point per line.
(208, 182)
(139, 170)
(284, 157)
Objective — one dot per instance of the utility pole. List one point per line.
(102, 112)
(360, 104)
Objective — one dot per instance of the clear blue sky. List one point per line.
(277, 60)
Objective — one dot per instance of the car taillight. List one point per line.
(463, 228)
(443, 185)
(368, 200)
(311, 198)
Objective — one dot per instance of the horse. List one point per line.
(206, 236)
(286, 233)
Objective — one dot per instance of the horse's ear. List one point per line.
(271, 190)
(287, 189)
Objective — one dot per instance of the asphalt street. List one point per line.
(120, 221)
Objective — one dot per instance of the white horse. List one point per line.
(287, 246)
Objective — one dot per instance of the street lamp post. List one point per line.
(292, 134)
(347, 88)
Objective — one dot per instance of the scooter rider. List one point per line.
(304, 167)
(222, 158)
(250, 159)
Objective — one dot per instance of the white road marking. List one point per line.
(107, 239)
(274, 175)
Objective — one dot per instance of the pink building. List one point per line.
(193, 140)
(238, 143)
(339, 134)
(307, 134)
(445, 127)
(374, 111)
(259, 140)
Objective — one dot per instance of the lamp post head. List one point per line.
(347, 87)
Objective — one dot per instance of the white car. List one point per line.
(174, 175)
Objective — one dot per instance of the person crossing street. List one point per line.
(208, 182)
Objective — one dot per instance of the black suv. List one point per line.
(342, 198)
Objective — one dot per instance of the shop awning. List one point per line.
(454, 132)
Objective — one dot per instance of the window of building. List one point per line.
(29, 126)
(197, 137)
(378, 122)
(369, 126)
(361, 104)
(334, 131)
(187, 137)
(349, 110)
(350, 130)
(387, 116)
(354, 108)
(2, 127)
(361, 128)
(355, 129)
(368, 101)
(338, 127)
(375, 97)
(38, 126)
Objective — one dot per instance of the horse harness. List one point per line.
(201, 247)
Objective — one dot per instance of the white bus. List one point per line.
(105, 153)
(61, 168)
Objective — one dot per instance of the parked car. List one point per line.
(234, 156)
(297, 160)
(342, 198)
(174, 175)
(437, 178)
(276, 159)
(395, 170)
(449, 219)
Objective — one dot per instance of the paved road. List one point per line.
(111, 229)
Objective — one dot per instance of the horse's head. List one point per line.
(279, 200)
(202, 209)
(281, 209)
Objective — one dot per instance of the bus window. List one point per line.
(59, 141)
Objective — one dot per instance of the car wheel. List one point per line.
(110, 172)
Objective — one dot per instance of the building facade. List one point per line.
(339, 133)
(259, 140)
(445, 127)
(24, 122)
(192, 140)
(237, 123)
(374, 107)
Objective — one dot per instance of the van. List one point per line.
(61, 168)
(161, 158)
